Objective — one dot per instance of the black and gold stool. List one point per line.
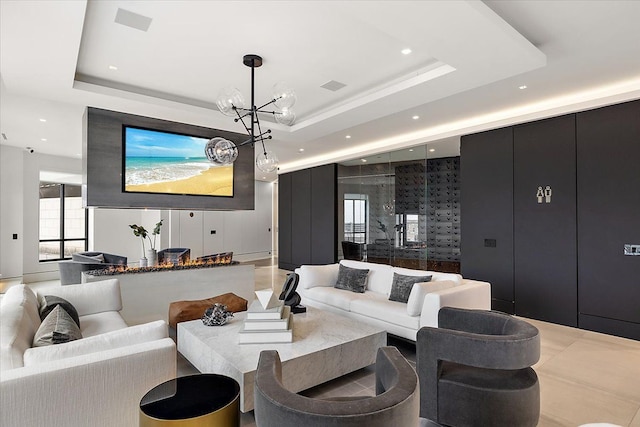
(204, 400)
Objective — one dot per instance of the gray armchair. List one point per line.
(395, 403)
(475, 369)
(71, 271)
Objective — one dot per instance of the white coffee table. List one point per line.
(325, 346)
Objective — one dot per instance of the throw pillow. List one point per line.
(49, 302)
(401, 286)
(352, 279)
(57, 328)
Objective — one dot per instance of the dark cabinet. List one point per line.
(486, 173)
(544, 212)
(307, 217)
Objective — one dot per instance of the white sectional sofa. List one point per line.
(316, 286)
(95, 381)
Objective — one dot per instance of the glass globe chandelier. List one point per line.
(231, 103)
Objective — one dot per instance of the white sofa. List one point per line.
(95, 381)
(316, 287)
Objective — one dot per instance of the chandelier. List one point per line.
(231, 103)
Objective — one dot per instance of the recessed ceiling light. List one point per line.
(522, 87)
(43, 120)
(363, 160)
(410, 149)
(415, 117)
(406, 51)
(113, 67)
(301, 150)
(348, 136)
(43, 139)
(431, 150)
(264, 177)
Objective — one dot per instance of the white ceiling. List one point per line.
(468, 60)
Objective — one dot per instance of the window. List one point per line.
(355, 218)
(63, 221)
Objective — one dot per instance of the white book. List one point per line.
(266, 336)
(256, 312)
(269, 324)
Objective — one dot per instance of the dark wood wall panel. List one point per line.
(486, 168)
(324, 214)
(301, 217)
(545, 249)
(307, 217)
(609, 215)
(284, 222)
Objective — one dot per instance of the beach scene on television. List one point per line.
(169, 163)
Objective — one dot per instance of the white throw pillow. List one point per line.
(312, 276)
(420, 290)
(121, 338)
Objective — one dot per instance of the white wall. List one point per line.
(11, 213)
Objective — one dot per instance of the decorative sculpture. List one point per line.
(289, 294)
(216, 315)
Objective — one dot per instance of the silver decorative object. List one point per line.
(216, 315)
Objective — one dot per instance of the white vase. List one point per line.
(143, 262)
(152, 257)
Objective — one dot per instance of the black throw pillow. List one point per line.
(57, 328)
(49, 302)
(401, 286)
(352, 279)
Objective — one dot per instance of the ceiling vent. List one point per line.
(133, 20)
(333, 85)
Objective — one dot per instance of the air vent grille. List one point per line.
(333, 85)
(132, 20)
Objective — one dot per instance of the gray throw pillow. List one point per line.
(49, 302)
(401, 286)
(57, 328)
(352, 279)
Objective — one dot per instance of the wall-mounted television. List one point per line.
(171, 163)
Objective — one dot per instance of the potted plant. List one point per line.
(151, 255)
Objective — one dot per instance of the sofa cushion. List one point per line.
(90, 298)
(19, 321)
(402, 285)
(420, 290)
(380, 275)
(352, 279)
(331, 296)
(377, 306)
(49, 302)
(317, 275)
(57, 328)
(100, 323)
(115, 339)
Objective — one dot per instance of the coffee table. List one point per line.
(325, 346)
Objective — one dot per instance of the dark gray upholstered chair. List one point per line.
(71, 271)
(395, 404)
(475, 369)
(174, 256)
(353, 250)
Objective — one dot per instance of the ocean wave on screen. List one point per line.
(164, 173)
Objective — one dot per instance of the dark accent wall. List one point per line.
(566, 257)
(487, 213)
(307, 217)
(609, 217)
(103, 164)
(545, 263)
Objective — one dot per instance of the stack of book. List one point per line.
(273, 325)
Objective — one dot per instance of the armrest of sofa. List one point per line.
(471, 294)
(99, 390)
(90, 298)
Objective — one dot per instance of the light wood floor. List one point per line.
(585, 377)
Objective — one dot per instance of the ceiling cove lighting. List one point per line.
(231, 103)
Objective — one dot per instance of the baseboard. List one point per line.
(609, 326)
